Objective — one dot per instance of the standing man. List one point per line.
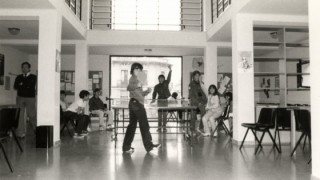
(96, 106)
(162, 89)
(25, 84)
(197, 97)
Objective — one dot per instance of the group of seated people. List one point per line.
(77, 111)
(208, 103)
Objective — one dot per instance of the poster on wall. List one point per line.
(58, 61)
(1, 69)
(224, 83)
(245, 63)
(198, 64)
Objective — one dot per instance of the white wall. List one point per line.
(12, 64)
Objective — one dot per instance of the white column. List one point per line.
(314, 29)
(243, 81)
(48, 103)
(82, 68)
(210, 64)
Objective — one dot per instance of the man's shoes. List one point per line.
(76, 135)
(164, 130)
(22, 136)
(109, 127)
(101, 128)
(84, 133)
(205, 134)
(156, 146)
(131, 150)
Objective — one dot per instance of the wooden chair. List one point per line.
(265, 122)
(220, 121)
(65, 122)
(303, 125)
(8, 118)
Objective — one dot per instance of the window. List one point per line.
(146, 15)
(222, 5)
(124, 78)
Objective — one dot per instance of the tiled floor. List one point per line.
(95, 157)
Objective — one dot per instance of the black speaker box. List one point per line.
(44, 137)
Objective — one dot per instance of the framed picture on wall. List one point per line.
(1, 69)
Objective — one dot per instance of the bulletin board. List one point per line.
(224, 83)
(67, 82)
(94, 80)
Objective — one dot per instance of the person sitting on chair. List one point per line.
(96, 106)
(63, 103)
(76, 111)
(213, 110)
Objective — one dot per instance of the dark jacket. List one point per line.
(95, 104)
(196, 95)
(162, 89)
(26, 86)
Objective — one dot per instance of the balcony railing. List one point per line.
(75, 6)
(176, 15)
(218, 7)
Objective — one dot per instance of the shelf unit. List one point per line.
(281, 47)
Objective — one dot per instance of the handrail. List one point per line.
(76, 7)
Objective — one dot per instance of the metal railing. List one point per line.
(104, 16)
(218, 7)
(75, 6)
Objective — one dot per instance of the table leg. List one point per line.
(293, 131)
(192, 121)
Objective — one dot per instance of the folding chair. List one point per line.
(303, 125)
(282, 123)
(8, 118)
(172, 115)
(64, 121)
(265, 122)
(220, 121)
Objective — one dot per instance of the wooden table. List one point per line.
(162, 107)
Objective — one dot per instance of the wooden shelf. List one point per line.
(267, 59)
(298, 89)
(297, 45)
(267, 74)
(297, 74)
(266, 29)
(297, 30)
(270, 89)
(298, 59)
(272, 44)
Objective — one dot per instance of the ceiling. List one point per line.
(29, 29)
(283, 7)
(25, 4)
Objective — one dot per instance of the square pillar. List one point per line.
(48, 100)
(243, 77)
(210, 64)
(314, 37)
(81, 68)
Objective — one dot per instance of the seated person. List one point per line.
(63, 103)
(213, 110)
(96, 106)
(76, 111)
(173, 99)
(228, 97)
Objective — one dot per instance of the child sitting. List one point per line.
(76, 111)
